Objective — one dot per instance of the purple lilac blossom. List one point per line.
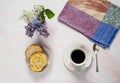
(35, 21)
(36, 25)
(30, 30)
(42, 29)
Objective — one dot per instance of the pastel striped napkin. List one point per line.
(99, 20)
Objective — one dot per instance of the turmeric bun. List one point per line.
(32, 49)
(37, 62)
(36, 58)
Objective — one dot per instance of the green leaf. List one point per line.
(49, 13)
(42, 16)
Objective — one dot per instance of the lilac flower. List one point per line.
(30, 30)
(44, 33)
(42, 29)
(36, 25)
(35, 21)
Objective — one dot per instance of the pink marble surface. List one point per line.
(13, 42)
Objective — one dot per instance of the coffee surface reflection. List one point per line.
(78, 56)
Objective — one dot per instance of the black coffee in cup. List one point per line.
(78, 56)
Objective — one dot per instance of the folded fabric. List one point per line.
(96, 19)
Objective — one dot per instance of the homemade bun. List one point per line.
(32, 49)
(37, 62)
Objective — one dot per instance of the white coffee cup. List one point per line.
(77, 57)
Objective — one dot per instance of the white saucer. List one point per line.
(77, 67)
